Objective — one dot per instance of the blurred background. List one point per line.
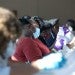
(63, 9)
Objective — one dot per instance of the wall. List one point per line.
(62, 9)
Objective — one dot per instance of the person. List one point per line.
(71, 24)
(9, 30)
(67, 35)
(45, 30)
(31, 50)
(48, 33)
(32, 44)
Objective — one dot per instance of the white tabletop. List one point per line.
(67, 69)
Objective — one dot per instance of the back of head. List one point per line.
(9, 28)
(27, 26)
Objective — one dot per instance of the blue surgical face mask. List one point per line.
(37, 33)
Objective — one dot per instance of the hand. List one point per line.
(70, 45)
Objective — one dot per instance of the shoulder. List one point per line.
(38, 42)
(24, 40)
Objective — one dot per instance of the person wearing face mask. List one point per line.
(9, 31)
(36, 23)
(31, 50)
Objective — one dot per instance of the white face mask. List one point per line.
(10, 49)
(37, 33)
